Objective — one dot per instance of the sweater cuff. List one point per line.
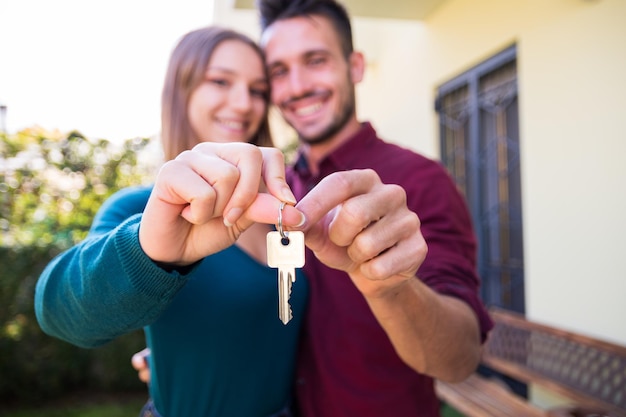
(145, 275)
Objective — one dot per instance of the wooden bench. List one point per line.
(589, 372)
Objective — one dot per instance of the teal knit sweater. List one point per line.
(218, 347)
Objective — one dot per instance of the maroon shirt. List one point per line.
(347, 365)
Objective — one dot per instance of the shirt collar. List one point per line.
(343, 156)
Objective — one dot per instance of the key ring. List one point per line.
(283, 234)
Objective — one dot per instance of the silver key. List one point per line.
(285, 251)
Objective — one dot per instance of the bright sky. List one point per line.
(93, 66)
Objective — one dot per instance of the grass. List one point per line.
(447, 411)
(123, 405)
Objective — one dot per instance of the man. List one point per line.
(383, 317)
(376, 337)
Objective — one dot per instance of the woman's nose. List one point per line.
(240, 98)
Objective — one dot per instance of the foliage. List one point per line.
(51, 185)
(86, 405)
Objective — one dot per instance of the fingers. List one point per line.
(264, 209)
(216, 179)
(338, 189)
(357, 224)
(202, 184)
(140, 362)
(140, 359)
(239, 184)
(213, 191)
(274, 175)
(390, 247)
(144, 375)
(250, 164)
(348, 202)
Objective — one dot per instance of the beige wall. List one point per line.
(572, 66)
(572, 79)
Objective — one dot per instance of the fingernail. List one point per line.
(288, 196)
(302, 220)
(232, 216)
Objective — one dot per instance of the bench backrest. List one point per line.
(588, 371)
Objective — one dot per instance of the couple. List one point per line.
(375, 317)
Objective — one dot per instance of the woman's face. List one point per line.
(231, 102)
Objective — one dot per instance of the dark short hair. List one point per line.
(271, 11)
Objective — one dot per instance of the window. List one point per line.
(478, 119)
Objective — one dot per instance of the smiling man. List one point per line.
(383, 318)
(313, 83)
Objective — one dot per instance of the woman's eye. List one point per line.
(258, 92)
(219, 82)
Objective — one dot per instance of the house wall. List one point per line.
(571, 66)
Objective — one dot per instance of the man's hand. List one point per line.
(359, 225)
(205, 198)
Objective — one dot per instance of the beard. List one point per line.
(337, 123)
(346, 111)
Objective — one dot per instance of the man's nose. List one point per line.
(299, 83)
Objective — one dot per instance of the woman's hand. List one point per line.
(205, 198)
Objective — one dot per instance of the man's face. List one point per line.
(312, 83)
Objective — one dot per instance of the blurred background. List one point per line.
(80, 86)
(522, 101)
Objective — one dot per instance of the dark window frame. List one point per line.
(476, 178)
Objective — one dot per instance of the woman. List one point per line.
(209, 310)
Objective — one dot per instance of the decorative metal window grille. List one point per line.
(478, 114)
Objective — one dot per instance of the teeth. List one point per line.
(233, 124)
(305, 111)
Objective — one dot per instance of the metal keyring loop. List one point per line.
(283, 234)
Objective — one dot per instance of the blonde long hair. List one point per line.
(186, 70)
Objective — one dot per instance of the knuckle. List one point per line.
(371, 174)
(411, 222)
(338, 180)
(396, 194)
(244, 198)
(376, 270)
(273, 153)
(183, 156)
(171, 167)
(355, 214)
(362, 249)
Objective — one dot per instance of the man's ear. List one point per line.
(357, 66)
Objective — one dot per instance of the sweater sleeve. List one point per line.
(105, 286)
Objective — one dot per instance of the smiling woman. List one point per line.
(102, 63)
(222, 86)
(191, 269)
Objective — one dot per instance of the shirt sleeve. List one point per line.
(450, 265)
(105, 286)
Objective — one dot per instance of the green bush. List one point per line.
(51, 185)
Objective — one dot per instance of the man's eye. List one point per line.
(277, 72)
(316, 61)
